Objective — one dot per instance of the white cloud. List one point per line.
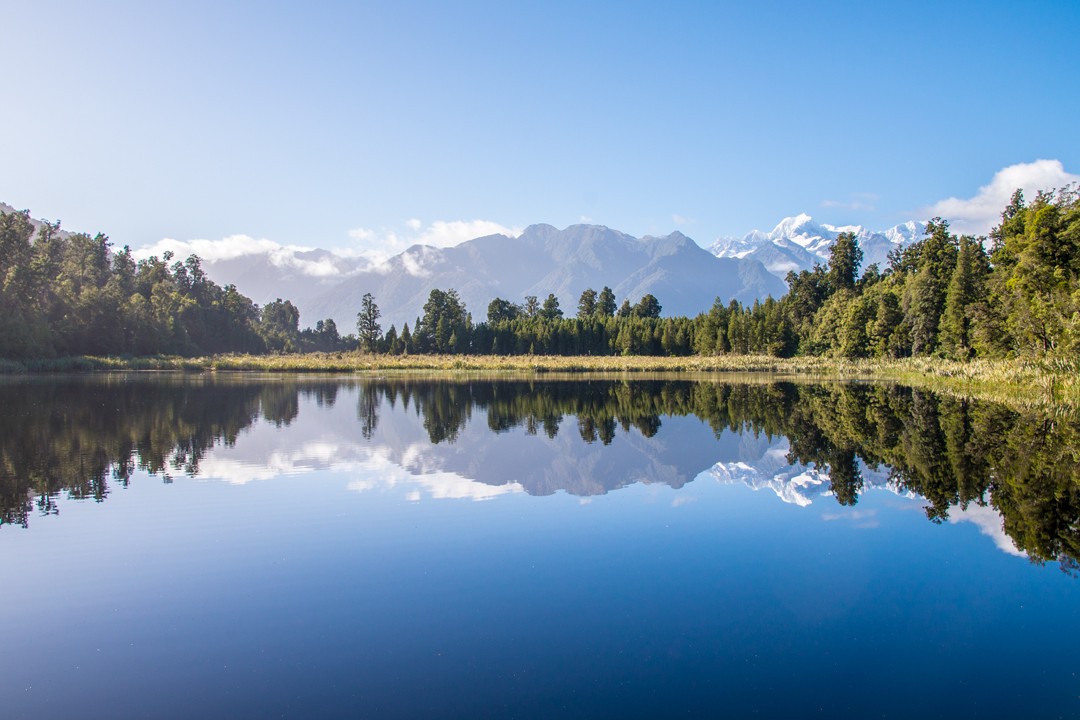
(990, 524)
(238, 246)
(977, 215)
(380, 245)
(859, 201)
(371, 250)
(864, 519)
(228, 248)
(681, 220)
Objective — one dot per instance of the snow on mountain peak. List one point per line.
(798, 243)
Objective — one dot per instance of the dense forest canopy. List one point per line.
(1015, 293)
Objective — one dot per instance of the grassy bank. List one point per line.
(1019, 383)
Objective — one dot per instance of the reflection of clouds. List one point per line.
(858, 518)
(310, 457)
(374, 466)
(683, 500)
(382, 473)
(989, 522)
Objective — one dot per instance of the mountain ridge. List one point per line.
(798, 243)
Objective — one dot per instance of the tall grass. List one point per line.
(1018, 383)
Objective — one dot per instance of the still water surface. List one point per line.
(263, 547)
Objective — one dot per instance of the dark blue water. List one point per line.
(324, 557)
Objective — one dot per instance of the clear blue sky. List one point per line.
(299, 122)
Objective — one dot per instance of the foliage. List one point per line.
(942, 296)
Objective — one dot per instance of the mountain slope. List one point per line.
(683, 276)
(798, 243)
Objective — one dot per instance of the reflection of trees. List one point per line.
(367, 411)
(951, 452)
(78, 436)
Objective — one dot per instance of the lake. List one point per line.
(402, 546)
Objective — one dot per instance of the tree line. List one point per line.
(71, 294)
(1014, 293)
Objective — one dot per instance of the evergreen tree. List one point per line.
(844, 260)
(587, 304)
(967, 288)
(550, 309)
(647, 307)
(605, 303)
(926, 291)
(368, 329)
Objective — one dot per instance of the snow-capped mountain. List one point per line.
(798, 243)
(681, 274)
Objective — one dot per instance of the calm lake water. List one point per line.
(410, 548)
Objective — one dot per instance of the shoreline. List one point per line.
(1026, 384)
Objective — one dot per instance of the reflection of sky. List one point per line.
(326, 589)
(400, 460)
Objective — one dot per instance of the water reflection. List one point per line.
(972, 462)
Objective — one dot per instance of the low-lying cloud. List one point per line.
(382, 244)
(371, 248)
(979, 214)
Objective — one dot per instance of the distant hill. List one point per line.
(685, 277)
(798, 243)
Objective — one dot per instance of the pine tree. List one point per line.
(966, 288)
(368, 329)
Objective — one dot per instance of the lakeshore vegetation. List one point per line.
(1014, 296)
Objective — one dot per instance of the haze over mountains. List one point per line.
(685, 277)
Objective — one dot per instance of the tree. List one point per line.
(586, 306)
(532, 306)
(444, 325)
(279, 326)
(605, 303)
(924, 297)
(966, 288)
(368, 329)
(392, 342)
(844, 260)
(550, 309)
(500, 310)
(647, 307)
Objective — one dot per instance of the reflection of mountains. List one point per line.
(583, 437)
(547, 457)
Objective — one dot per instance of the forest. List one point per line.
(1015, 293)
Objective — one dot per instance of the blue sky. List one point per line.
(360, 125)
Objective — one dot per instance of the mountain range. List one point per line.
(685, 277)
(543, 259)
(798, 243)
(682, 275)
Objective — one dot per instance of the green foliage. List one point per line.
(942, 296)
(68, 295)
(605, 303)
(586, 304)
(368, 329)
(844, 260)
(279, 326)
